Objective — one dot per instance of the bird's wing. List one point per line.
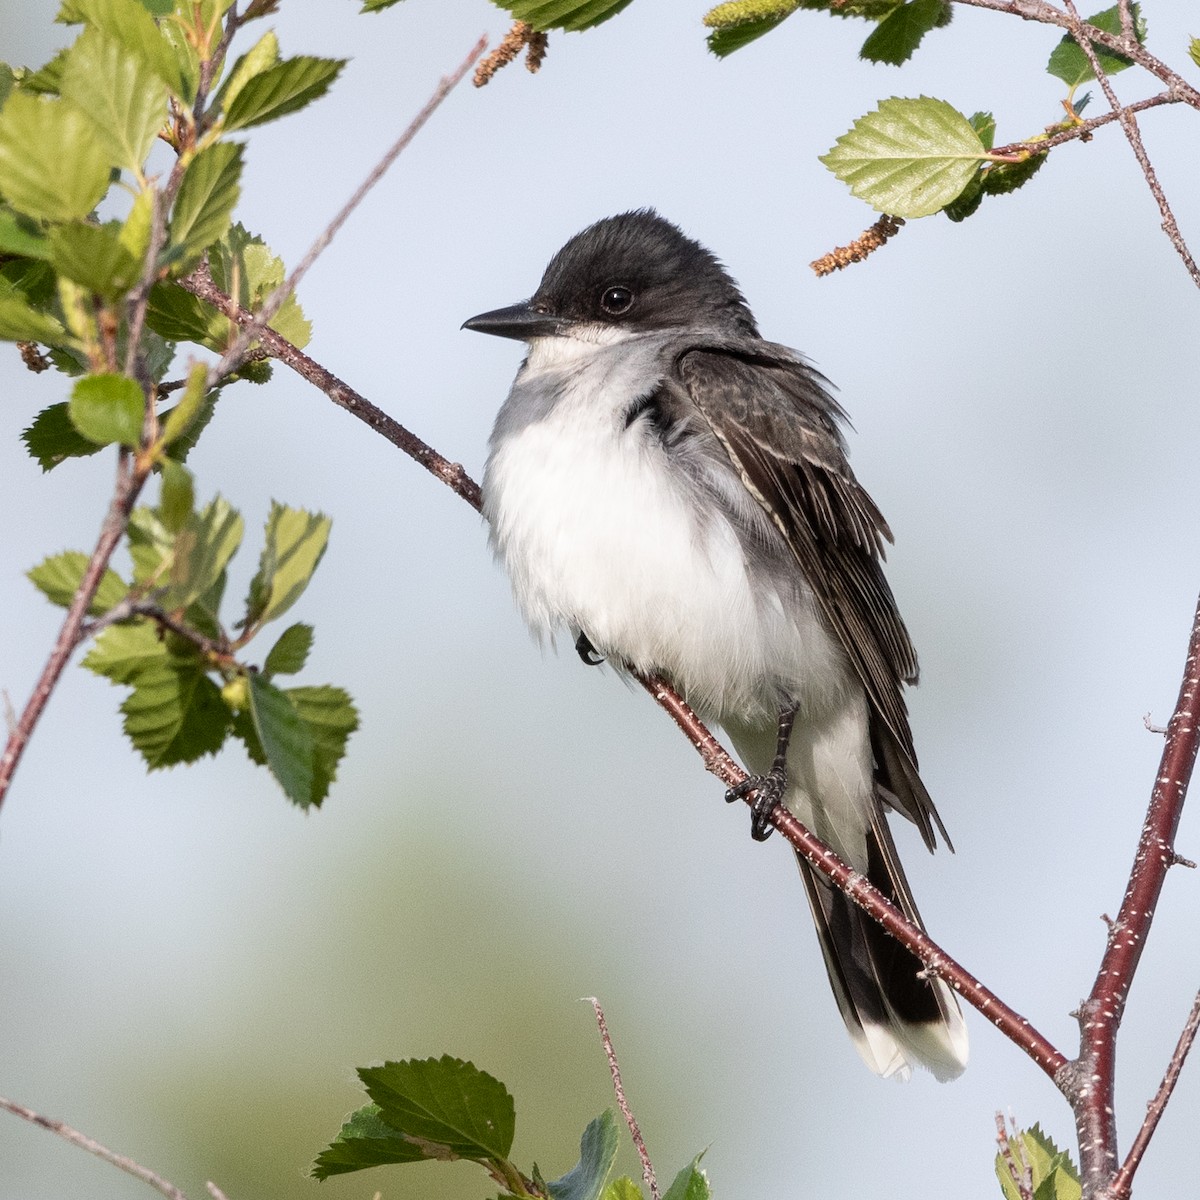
(779, 426)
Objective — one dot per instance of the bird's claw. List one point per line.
(768, 796)
(586, 651)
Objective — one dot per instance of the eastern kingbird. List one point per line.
(673, 489)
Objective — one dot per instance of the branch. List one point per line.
(130, 479)
(1084, 129)
(1092, 1082)
(1154, 1110)
(232, 357)
(1082, 34)
(619, 1091)
(156, 1181)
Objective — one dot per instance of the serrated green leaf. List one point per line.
(92, 255)
(19, 235)
(295, 542)
(290, 652)
(571, 15)
(1069, 63)
(1053, 1174)
(597, 1150)
(52, 438)
(286, 742)
(123, 96)
(622, 1189)
(46, 79)
(201, 551)
(58, 578)
(365, 1140)
(1002, 178)
(21, 322)
(131, 24)
(908, 158)
(1194, 50)
(898, 35)
(108, 408)
(175, 714)
(178, 420)
(330, 716)
(123, 653)
(281, 89)
(244, 267)
(182, 446)
(178, 316)
(177, 497)
(263, 54)
(206, 200)
(984, 124)
(967, 203)
(723, 42)
(690, 1184)
(446, 1102)
(377, 5)
(52, 165)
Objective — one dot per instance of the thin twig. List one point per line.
(232, 357)
(1134, 136)
(1021, 1174)
(1084, 129)
(1154, 1110)
(157, 1182)
(622, 1103)
(131, 478)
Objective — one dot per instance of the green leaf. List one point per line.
(201, 551)
(175, 714)
(622, 1189)
(377, 5)
(446, 1102)
(281, 89)
(290, 652)
(295, 542)
(47, 78)
(898, 35)
(263, 54)
(178, 316)
(52, 165)
(19, 235)
(1194, 50)
(125, 99)
(597, 1150)
(571, 15)
(244, 267)
(93, 256)
(59, 577)
(690, 1184)
(177, 498)
(108, 408)
(908, 158)
(131, 24)
(135, 233)
(1002, 178)
(206, 199)
(984, 124)
(1068, 61)
(124, 653)
(1054, 1174)
(178, 420)
(284, 738)
(182, 446)
(52, 438)
(723, 42)
(331, 718)
(21, 322)
(365, 1141)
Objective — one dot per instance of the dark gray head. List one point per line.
(635, 271)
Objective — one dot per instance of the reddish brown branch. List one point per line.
(129, 485)
(1090, 1079)
(1154, 1110)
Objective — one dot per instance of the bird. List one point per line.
(672, 490)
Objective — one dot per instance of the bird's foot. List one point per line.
(768, 796)
(586, 651)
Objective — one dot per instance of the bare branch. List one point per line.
(232, 357)
(1083, 35)
(1154, 1110)
(622, 1103)
(1084, 129)
(157, 1182)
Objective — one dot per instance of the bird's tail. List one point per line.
(895, 1015)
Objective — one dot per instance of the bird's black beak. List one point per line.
(521, 321)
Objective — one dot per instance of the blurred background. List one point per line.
(192, 968)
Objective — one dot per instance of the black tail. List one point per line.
(896, 1017)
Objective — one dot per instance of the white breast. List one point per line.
(598, 533)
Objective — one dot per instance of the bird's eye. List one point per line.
(616, 300)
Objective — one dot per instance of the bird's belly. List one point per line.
(598, 534)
